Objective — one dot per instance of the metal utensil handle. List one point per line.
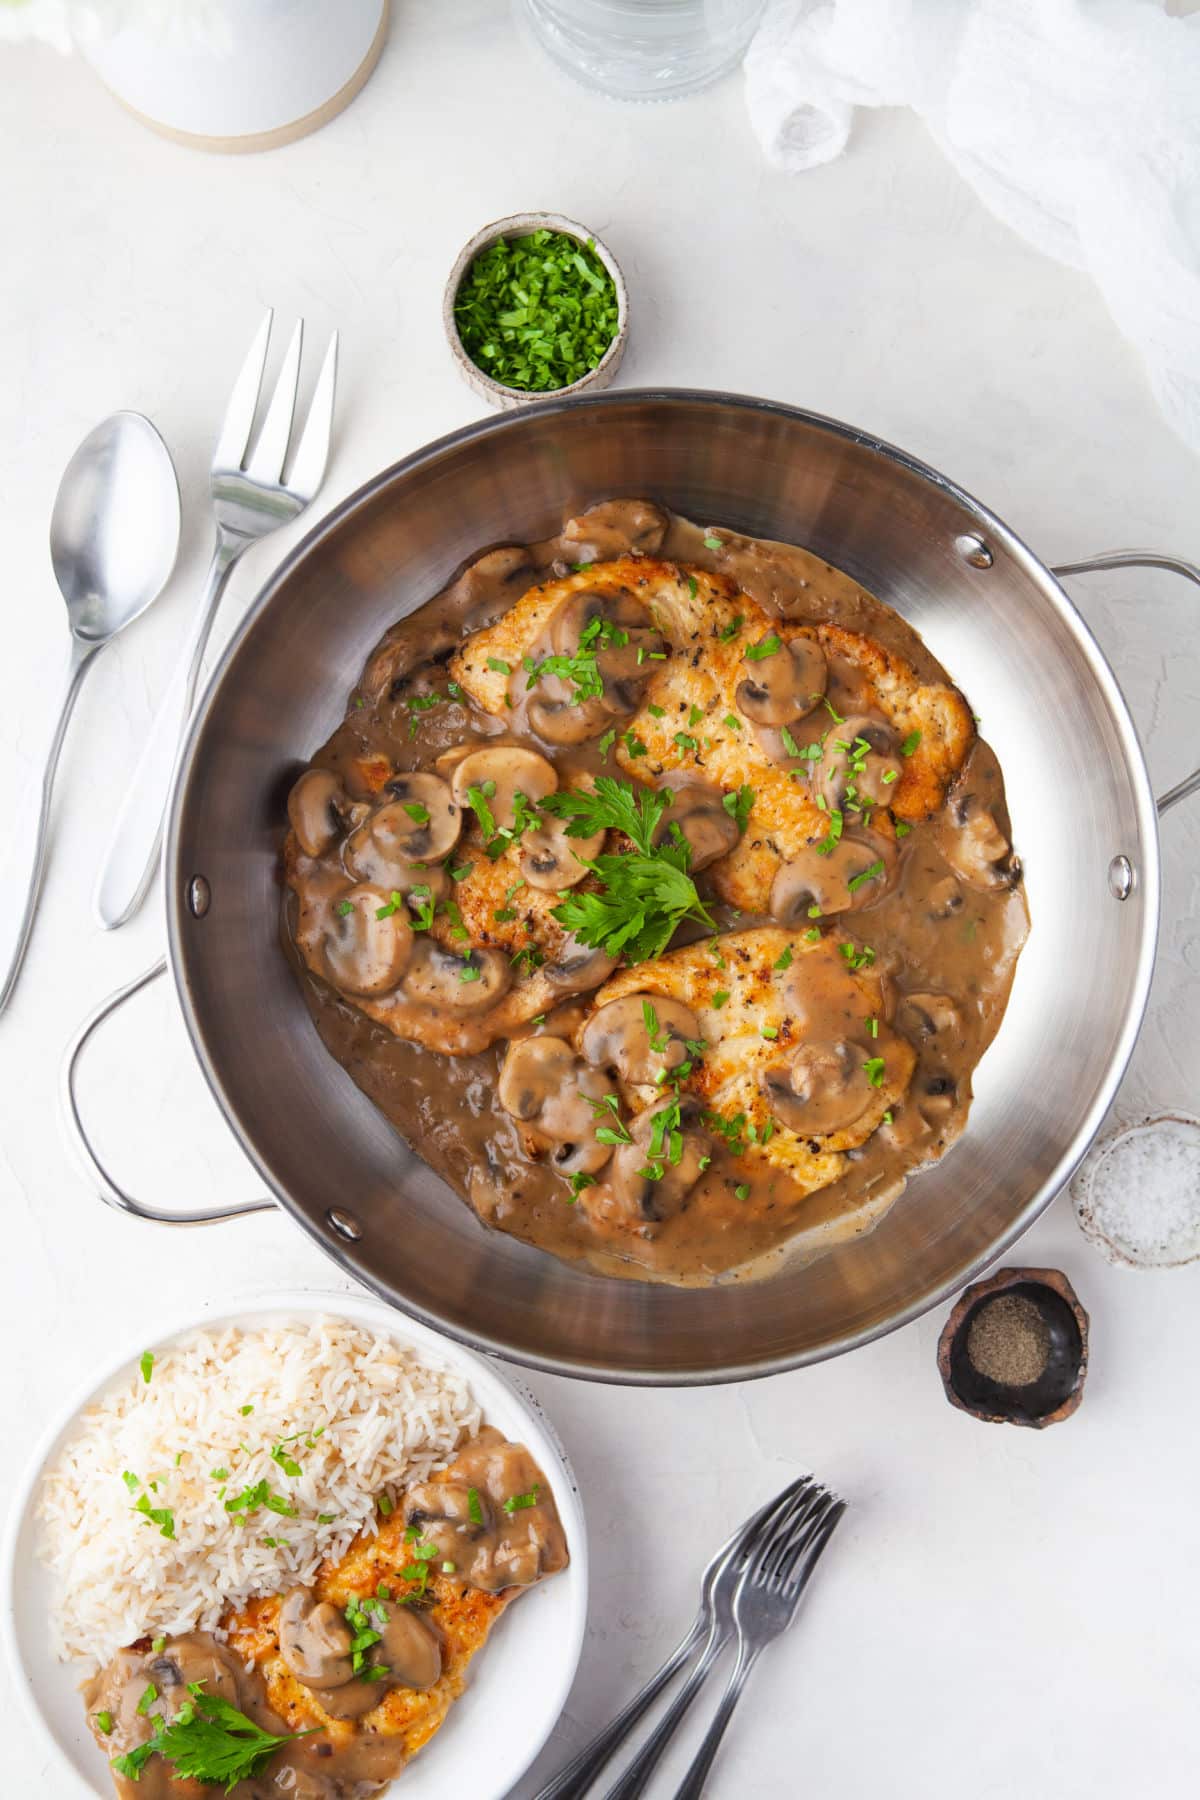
(692, 1785)
(131, 859)
(637, 1775)
(81, 659)
(582, 1771)
(109, 1191)
(1144, 559)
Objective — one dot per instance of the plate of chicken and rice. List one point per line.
(296, 1549)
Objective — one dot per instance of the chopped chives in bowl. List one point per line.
(538, 311)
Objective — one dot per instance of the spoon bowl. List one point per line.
(114, 531)
(114, 537)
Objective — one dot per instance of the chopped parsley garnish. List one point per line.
(498, 666)
(519, 1502)
(345, 908)
(910, 743)
(538, 311)
(742, 1191)
(784, 959)
(245, 1411)
(146, 1365)
(713, 543)
(720, 998)
(828, 842)
(131, 1480)
(474, 1506)
(812, 934)
(287, 1463)
(158, 1645)
(695, 715)
(871, 874)
(162, 1516)
(686, 742)
(770, 1032)
(104, 1722)
(633, 744)
(837, 717)
(873, 1070)
(857, 959)
(149, 1696)
(577, 1183)
(606, 743)
(393, 904)
(902, 828)
(731, 631)
(326, 1518)
(771, 645)
(887, 1117)
(738, 806)
(477, 799)
(789, 742)
(692, 586)
(385, 1506)
(416, 811)
(733, 723)
(873, 1027)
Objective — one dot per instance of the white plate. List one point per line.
(515, 1690)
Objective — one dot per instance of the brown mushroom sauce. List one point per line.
(946, 929)
(491, 1519)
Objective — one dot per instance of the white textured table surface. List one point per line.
(1003, 1612)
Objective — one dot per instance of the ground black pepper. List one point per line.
(1008, 1341)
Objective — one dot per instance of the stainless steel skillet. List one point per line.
(1083, 815)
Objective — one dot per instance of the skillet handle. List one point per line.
(108, 1189)
(1144, 559)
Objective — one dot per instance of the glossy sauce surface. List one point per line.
(942, 938)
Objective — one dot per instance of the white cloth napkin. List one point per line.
(1076, 121)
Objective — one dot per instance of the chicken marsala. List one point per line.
(659, 890)
(324, 1692)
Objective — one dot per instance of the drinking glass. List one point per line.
(645, 49)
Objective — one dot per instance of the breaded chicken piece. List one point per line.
(689, 722)
(774, 982)
(464, 1617)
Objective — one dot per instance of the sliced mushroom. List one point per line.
(439, 977)
(551, 860)
(613, 527)
(652, 1176)
(409, 1647)
(783, 685)
(945, 898)
(469, 1513)
(618, 630)
(925, 1016)
(422, 818)
(544, 1084)
(365, 941)
(858, 766)
(698, 814)
(857, 870)
(577, 967)
(974, 845)
(500, 772)
(557, 715)
(377, 851)
(315, 808)
(639, 1036)
(315, 1640)
(821, 1089)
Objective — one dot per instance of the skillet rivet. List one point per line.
(972, 549)
(345, 1224)
(199, 896)
(1121, 878)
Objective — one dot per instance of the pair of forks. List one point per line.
(250, 497)
(750, 1590)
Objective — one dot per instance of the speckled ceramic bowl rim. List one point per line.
(1081, 1192)
(522, 225)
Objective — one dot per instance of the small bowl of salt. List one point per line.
(1137, 1196)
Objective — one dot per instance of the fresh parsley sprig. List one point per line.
(208, 1741)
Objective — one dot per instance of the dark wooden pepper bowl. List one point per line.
(1058, 1389)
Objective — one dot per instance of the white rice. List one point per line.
(366, 1418)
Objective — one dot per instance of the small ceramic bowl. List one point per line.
(1057, 1391)
(1137, 1196)
(520, 225)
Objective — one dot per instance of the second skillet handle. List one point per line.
(1144, 559)
(108, 1189)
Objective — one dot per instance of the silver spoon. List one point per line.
(114, 536)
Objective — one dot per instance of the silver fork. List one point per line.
(717, 1586)
(767, 1599)
(250, 498)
